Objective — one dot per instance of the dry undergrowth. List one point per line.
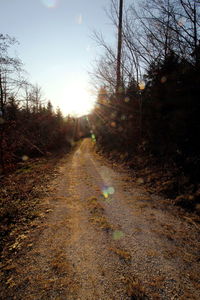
(134, 288)
(177, 237)
(24, 203)
(123, 254)
(20, 205)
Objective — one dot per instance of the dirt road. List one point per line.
(105, 237)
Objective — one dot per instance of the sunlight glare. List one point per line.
(79, 101)
(141, 85)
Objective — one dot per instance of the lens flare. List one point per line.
(111, 190)
(181, 21)
(163, 79)
(25, 157)
(126, 99)
(79, 19)
(117, 235)
(113, 115)
(108, 190)
(93, 137)
(2, 121)
(123, 117)
(50, 3)
(140, 180)
(105, 193)
(113, 124)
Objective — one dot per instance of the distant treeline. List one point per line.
(156, 112)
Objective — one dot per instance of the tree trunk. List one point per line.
(119, 50)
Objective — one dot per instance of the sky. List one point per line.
(56, 46)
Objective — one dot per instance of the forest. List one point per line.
(30, 127)
(152, 121)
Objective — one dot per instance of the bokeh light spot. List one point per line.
(121, 156)
(113, 115)
(105, 193)
(2, 121)
(108, 190)
(111, 190)
(126, 99)
(25, 157)
(50, 3)
(181, 21)
(140, 180)
(117, 235)
(79, 19)
(163, 79)
(93, 137)
(113, 124)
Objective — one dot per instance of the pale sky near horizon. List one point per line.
(56, 45)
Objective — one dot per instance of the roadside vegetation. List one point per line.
(152, 122)
(22, 200)
(29, 126)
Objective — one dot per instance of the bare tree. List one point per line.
(36, 97)
(10, 68)
(9, 83)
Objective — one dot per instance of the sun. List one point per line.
(78, 101)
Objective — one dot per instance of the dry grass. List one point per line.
(143, 205)
(102, 222)
(24, 201)
(169, 253)
(123, 254)
(152, 253)
(165, 231)
(142, 197)
(94, 206)
(59, 265)
(20, 198)
(134, 288)
(97, 211)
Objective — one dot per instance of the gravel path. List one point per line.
(106, 238)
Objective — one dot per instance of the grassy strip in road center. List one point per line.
(97, 214)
